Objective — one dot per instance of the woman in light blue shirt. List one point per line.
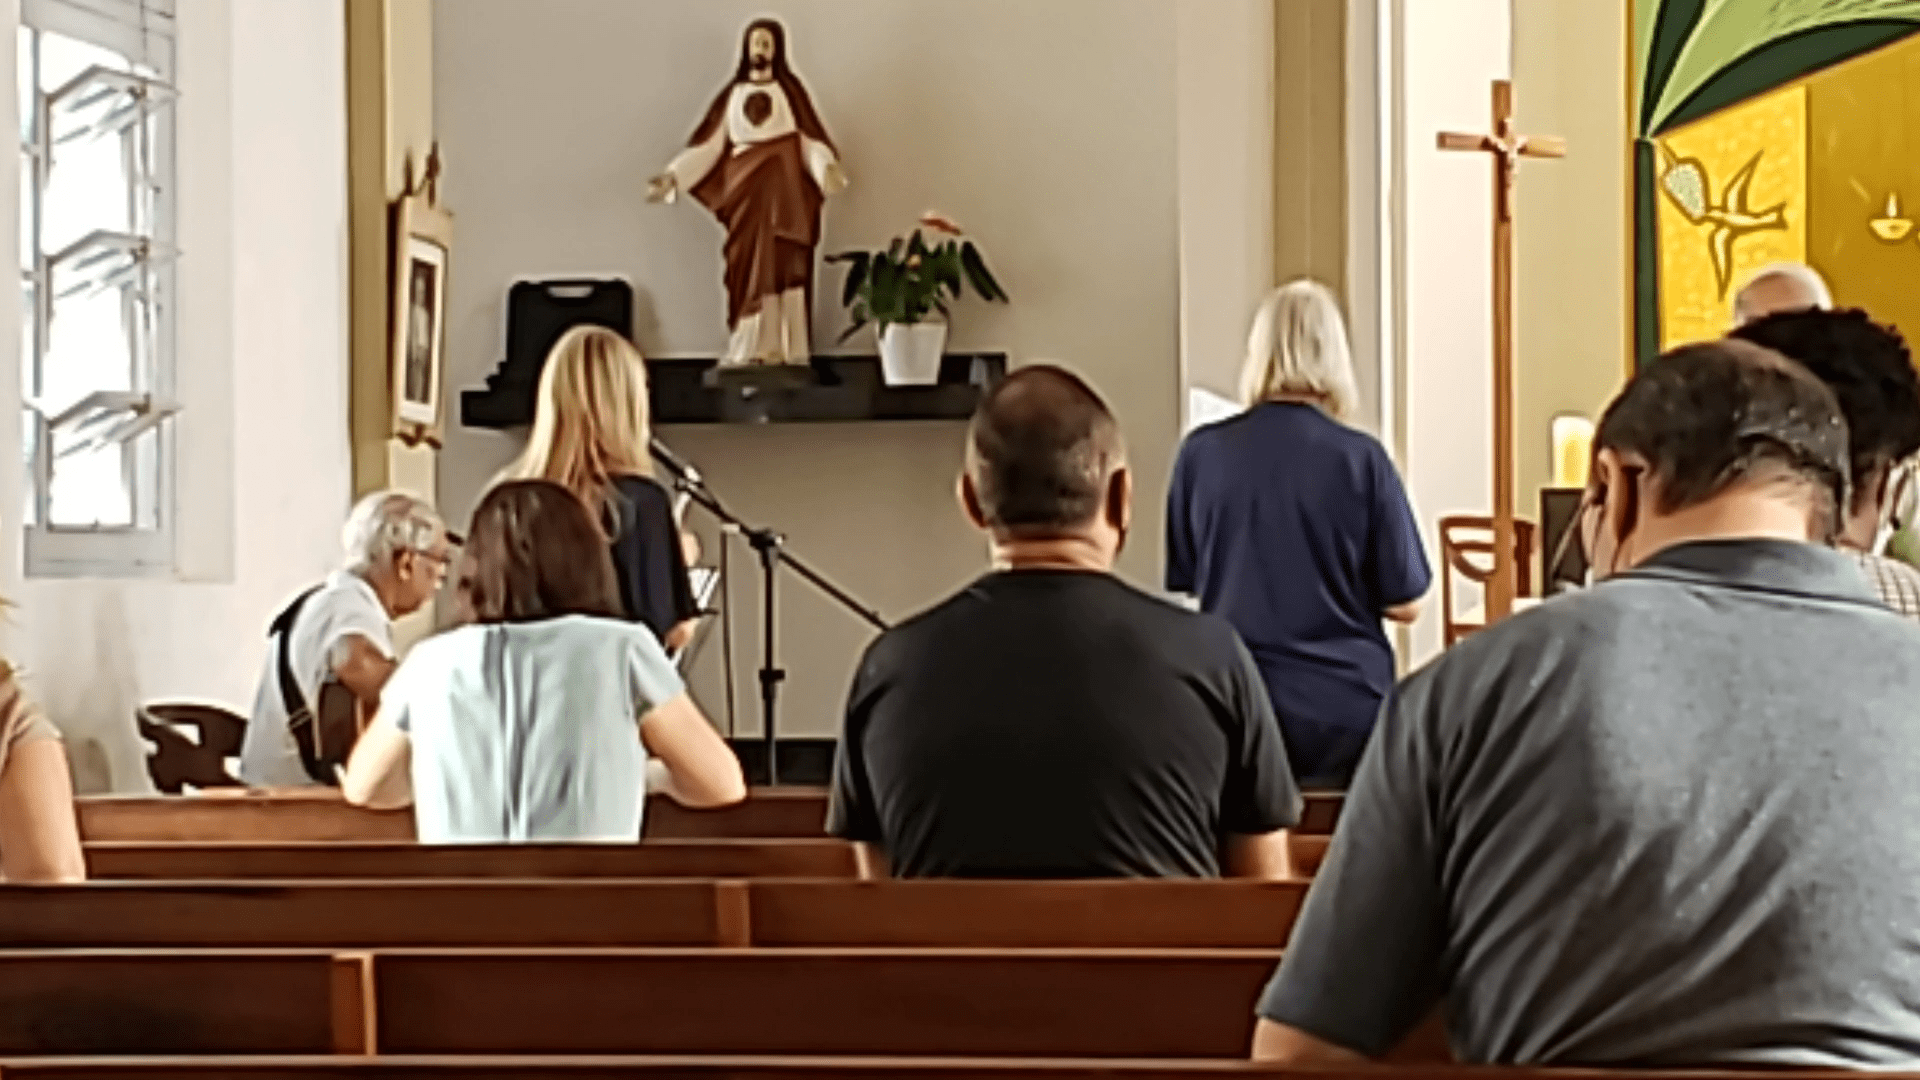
(535, 719)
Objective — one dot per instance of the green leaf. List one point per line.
(858, 325)
(856, 277)
(950, 270)
(885, 292)
(979, 276)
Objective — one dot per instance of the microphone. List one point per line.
(680, 467)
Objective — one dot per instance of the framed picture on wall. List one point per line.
(416, 368)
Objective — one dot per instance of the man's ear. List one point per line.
(970, 502)
(1119, 500)
(1623, 478)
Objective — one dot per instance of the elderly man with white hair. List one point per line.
(335, 643)
(1785, 286)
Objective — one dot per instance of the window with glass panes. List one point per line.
(97, 125)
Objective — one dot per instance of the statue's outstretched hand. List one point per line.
(662, 188)
(833, 179)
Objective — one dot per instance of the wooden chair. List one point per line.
(191, 744)
(1466, 550)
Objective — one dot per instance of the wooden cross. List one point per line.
(1507, 149)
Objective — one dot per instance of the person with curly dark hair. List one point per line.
(1870, 371)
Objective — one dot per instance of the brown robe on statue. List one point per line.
(770, 208)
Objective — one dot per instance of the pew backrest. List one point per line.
(610, 912)
(329, 915)
(726, 1067)
(220, 860)
(320, 815)
(1026, 914)
(1016, 1003)
(1320, 812)
(372, 859)
(166, 1002)
(768, 813)
(1010, 1003)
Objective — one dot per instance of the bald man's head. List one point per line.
(1778, 288)
(1042, 452)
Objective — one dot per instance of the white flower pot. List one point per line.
(910, 353)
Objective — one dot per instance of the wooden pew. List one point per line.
(601, 912)
(167, 1002)
(810, 1068)
(661, 858)
(522, 1067)
(331, 915)
(398, 859)
(1320, 812)
(768, 813)
(773, 813)
(994, 1003)
(181, 818)
(1015, 1003)
(1004, 914)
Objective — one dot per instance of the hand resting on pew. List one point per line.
(700, 769)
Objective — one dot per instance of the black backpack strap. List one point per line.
(300, 722)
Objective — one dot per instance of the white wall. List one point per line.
(1449, 55)
(1047, 129)
(263, 440)
(1226, 175)
(1369, 153)
(1571, 231)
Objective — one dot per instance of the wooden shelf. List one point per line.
(843, 389)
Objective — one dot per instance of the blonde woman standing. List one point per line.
(590, 435)
(1295, 528)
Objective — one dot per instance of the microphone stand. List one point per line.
(771, 547)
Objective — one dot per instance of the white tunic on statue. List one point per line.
(778, 336)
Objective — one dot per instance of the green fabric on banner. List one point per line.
(1646, 257)
(1727, 30)
(1672, 29)
(1646, 13)
(1780, 62)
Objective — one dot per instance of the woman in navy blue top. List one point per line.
(1295, 528)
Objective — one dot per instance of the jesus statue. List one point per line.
(762, 162)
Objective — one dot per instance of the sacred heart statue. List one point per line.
(763, 163)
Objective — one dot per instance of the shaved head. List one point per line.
(1040, 452)
(1779, 288)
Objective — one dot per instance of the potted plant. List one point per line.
(905, 288)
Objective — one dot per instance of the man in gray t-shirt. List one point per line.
(1671, 820)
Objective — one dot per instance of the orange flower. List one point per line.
(939, 222)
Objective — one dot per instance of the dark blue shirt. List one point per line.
(1295, 528)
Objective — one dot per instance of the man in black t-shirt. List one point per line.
(1050, 720)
